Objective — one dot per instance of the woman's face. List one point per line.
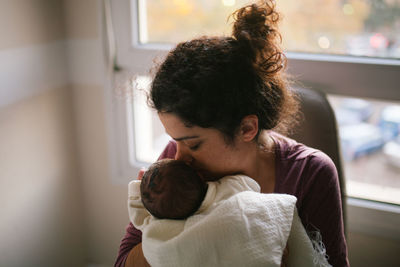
(203, 148)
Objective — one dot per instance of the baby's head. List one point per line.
(171, 189)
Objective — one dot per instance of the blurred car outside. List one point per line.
(389, 122)
(353, 111)
(391, 151)
(359, 139)
(373, 45)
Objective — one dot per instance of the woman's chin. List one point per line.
(212, 178)
(209, 177)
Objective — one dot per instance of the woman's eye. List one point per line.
(195, 147)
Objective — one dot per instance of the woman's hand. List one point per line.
(141, 173)
(136, 258)
(285, 256)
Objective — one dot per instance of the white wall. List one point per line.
(104, 203)
(40, 193)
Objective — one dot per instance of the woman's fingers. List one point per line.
(140, 174)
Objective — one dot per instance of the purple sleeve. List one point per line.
(169, 151)
(321, 207)
(133, 236)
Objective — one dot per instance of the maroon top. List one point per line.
(304, 172)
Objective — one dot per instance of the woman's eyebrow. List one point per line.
(185, 138)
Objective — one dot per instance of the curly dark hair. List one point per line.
(171, 189)
(214, 82)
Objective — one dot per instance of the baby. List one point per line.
(170, 189)
(186, 221)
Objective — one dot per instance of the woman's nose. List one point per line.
(182, 153)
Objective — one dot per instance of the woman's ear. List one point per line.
(248, 128)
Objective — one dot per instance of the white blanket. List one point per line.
(246, 229)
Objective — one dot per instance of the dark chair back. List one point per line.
(318, 129)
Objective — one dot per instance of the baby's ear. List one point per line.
(248, 128)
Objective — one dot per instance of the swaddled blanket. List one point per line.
(231, 228)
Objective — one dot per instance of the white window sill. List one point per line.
(373, 218)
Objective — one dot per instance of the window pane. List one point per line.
(369, 132)
(148, 133)
(346, 27)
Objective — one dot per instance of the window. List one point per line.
(149, 136)
(369, 131)
(343, 27)
(346, 48)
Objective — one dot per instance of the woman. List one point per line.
(223, 100)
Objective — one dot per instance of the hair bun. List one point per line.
(256, 29)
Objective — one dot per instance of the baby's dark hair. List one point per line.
(214, 82)
(171, 189)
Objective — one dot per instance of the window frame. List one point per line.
(345, 75)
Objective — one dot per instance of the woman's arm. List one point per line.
(132, 237)
(136, 258)
(321, 209)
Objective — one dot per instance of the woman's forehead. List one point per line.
(176, 128)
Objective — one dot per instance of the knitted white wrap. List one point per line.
(235, 226)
